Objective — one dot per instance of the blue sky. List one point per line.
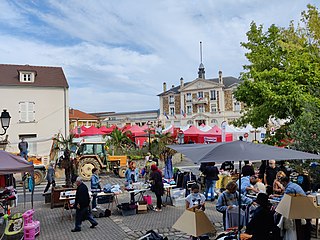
(117, 54)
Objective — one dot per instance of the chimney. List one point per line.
(164, 87)
(181, 82)
(220, 77)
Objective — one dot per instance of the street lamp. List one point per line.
(255, 131)
(5, 121)
(149, 136)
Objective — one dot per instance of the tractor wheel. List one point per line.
(122, 172)
(85, 167)
(38, 176)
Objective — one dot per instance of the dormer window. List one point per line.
(27, 77)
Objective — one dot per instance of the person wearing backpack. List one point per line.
(229, 199)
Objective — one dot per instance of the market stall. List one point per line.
(10, 164)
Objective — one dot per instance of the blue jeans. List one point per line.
(94, 200)
(210, 189)
(80, 213)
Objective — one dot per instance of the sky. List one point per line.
(117, 54)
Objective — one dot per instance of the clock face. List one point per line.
(199, 85)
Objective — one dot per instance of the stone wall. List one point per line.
(165, 104)
(194, 107)
(207, 106)
(228, 100)
(177, 104)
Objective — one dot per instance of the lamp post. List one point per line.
(255, 131)
(5, 121)
(149, 136)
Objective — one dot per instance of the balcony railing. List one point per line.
(200, 101)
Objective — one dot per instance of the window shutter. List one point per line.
(23, 111)
(31, 112)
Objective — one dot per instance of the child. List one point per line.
(195, 198)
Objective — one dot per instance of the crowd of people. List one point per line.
(257, 186)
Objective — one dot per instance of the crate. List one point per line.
(128, 209)
(178, 202)
(105, 199)
(128, 212)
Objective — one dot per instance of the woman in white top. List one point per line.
(195, 198)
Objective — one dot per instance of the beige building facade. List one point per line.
(37, 99)
(200, 101)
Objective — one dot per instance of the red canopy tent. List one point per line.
(192, 135)
(137, 135)
(84, 128)
(108, 130)
(216, 132)
(92, 131)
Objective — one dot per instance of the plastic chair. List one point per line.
(31, 227)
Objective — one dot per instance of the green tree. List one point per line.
(158, 145)
(306, 131)
(119, 142)
(283, 73)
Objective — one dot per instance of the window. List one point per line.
(213, 95)
(213, 108)
(200, 95)
(189, 109)
(200, 109)
(88, 149)
(26, 111)
(190, 122)
(236, 106)
(189, 97)
(214, 121)
(32, 144)
(172, 111)
(26, 77)
(171, 99)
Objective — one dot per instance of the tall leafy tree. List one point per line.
(283, 74)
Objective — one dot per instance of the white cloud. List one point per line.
(119, 52)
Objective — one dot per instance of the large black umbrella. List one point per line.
(238, 151)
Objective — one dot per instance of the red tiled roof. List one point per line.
(78, 115)
(44, 76)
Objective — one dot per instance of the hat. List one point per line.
(262, 199)
(154, 167)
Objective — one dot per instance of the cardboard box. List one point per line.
(142, 207)
(195, 223)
